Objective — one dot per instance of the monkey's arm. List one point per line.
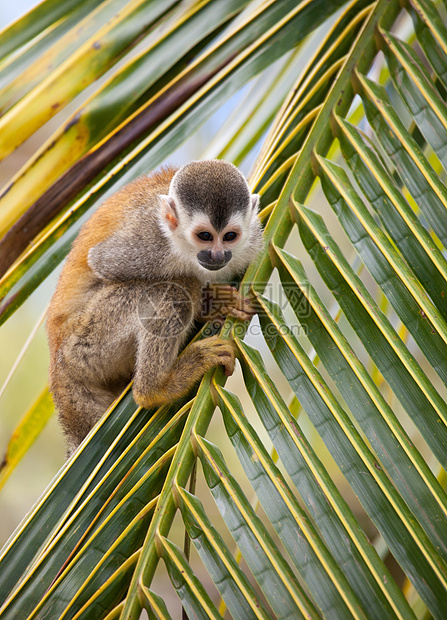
(162, 377)
(221, 300)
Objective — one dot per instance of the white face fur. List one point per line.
(209, 254)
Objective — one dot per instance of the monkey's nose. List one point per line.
(218, 257)
(213, 260)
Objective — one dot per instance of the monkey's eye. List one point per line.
(230, 236)
(205, 236)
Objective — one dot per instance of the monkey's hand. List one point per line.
(221, 300)
(153, 387)
(214, 352)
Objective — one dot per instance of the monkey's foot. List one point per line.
(221, 300)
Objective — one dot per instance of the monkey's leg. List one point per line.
(221, 300)
(155, 385)
(79, 408)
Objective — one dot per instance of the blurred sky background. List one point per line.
(11, 10)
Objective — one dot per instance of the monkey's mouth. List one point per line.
(212, 266)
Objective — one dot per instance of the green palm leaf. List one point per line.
(277, 510)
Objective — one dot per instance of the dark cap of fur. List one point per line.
(214, 187)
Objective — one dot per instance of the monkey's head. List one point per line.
(211, 218)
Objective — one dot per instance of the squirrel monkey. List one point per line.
(131, 289)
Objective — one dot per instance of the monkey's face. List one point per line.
(214, 252)
(215, 248)
(211, 220)
(210, 247)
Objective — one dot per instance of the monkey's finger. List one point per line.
(228, 365)
(240, 314)
(226, 354)
(246, 305)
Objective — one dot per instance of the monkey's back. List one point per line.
(77, 282)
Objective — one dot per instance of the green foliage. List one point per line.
(350, 132)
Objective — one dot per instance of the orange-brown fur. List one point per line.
(77, 277)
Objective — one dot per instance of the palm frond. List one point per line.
(351, 173)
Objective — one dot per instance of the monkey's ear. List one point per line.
(255, 202)
(168, 211)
